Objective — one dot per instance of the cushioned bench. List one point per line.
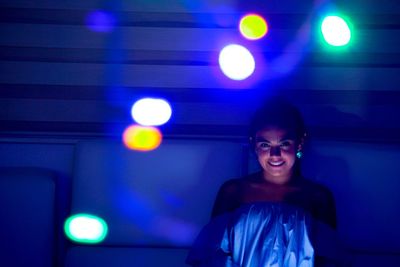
(126, 256)
(155, 203)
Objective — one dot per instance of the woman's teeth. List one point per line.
(275, 163)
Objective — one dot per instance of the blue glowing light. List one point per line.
(236, 62)
(151, 111)
(100, 21)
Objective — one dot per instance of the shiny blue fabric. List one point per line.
(255, 235)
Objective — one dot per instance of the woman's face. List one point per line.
(276, 152)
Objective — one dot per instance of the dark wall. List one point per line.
(61, 82)
(59, 75)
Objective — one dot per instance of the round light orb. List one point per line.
(335, 31)
(142, 138)
(85, 228)
(151, 111)
(236, 62)
(253, 27)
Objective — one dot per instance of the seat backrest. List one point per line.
(154, 203)
(162, 197)
(27, 212)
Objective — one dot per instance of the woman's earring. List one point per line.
(299, 154)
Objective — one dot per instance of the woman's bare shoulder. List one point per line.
(233, 185)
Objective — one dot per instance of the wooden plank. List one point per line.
(183, 39)
(188, 58)
(68, 5)
(20, 130)
(321, 78)
(220, 6)
(185, 19)
(225, 6)
(103, 111)
(196, 95)
(338, 116)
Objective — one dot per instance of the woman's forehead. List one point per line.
(274, 132)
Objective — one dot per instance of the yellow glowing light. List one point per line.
(142, 138)
(253, 26)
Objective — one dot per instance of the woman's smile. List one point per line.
(276, 163)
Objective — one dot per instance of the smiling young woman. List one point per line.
(267, 218)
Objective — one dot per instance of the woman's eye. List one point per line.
(285, 145)
(264, 145)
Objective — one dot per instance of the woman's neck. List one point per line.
(277, 180)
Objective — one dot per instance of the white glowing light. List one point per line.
(236, 62)
(151, 111)
(85, 228)
(335, 30)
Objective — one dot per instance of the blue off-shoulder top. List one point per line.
(255, 235)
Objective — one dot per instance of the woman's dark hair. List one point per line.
(280, 113)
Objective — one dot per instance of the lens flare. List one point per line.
(236, 62)
(151, 111)
(253, 27)
(85, 228)
(142, 138)
(335, 31)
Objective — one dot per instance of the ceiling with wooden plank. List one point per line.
(59, 75)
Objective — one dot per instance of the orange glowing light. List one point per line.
(142, 138)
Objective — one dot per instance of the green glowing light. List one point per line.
(336, 31)
(85, 228)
